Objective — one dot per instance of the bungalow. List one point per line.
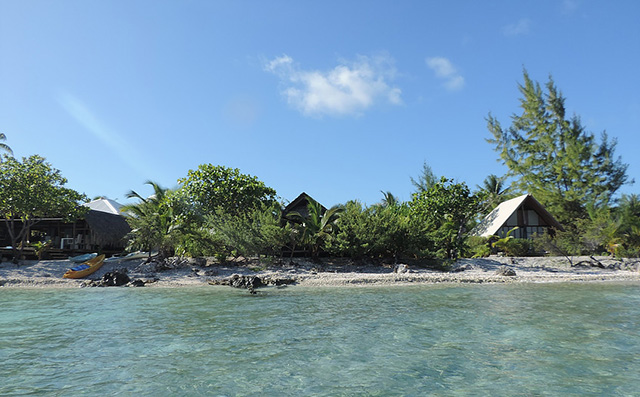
(523, 212)
(299, 205)
(102, 229)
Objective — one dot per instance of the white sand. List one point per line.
(48, 274)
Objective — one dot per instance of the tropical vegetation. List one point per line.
(3, 146)
(31, 189)
(221, 212)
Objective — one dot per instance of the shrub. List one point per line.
(479, 247)
(518, 247)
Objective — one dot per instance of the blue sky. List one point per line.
(338, 99)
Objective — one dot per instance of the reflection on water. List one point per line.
(440, 340)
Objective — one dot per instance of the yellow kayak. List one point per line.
(86, 268)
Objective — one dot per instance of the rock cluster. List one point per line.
(116, 278)
(251, 282)
(505, 271)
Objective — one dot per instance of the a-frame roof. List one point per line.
(301, 201)
(105, 205)
(498, 217)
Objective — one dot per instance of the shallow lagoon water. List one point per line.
(531, 339)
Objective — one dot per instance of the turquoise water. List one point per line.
(576, 339)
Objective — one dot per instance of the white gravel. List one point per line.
(48, 274)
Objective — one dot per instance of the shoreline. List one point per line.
(176, 273)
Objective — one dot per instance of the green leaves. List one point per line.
(443, 213)
(31, 189)
(553, 157)
(211, 187)
(318, 226)
(153, 221)
(4, 146)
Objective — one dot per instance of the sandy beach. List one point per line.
(181, 272)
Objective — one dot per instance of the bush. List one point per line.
(380, 231)
(479, 247)
(256, 232)
(518, 247)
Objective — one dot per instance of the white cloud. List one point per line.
(112, 140)
(348, 89)
(521, 27)
(445, 71)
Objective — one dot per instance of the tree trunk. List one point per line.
(20, 237)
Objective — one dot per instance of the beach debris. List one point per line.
(505, 271)
(401, 268)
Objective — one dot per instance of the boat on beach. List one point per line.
(86, 268)
(82, 258)
(138, 255)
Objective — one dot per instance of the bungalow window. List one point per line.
(513, 220)
(532, 218)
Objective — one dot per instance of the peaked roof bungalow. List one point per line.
(524, 212)
(299, 205)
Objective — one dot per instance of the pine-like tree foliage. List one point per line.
(553, 157)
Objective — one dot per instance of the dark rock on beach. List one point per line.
(505, 271)
(135, 283)
(115, 279)
(251, 282)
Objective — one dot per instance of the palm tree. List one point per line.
(389, 200)
(4, 146)
(152, 220)
(494, 191)
(494, 184)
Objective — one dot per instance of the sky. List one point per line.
(339, 99)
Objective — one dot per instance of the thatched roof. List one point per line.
(107, 228)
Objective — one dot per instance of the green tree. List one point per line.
(492, 192)
(441, 216)
(153, 222)
(318, 225)
(32, 189)
(254, 233)
(212, 187)
(629, 231)
(553, 157)
(4, 146)
(426, 179)
(389, 200)
(377, 232)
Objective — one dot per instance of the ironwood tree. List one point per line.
(553, 157)
(32, 189)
